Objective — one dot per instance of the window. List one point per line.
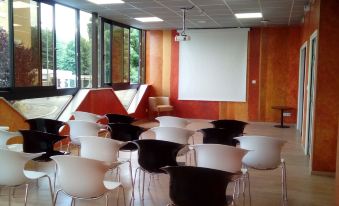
(86, 49)
(134, 56)
(47, 48)
(120, 54)
(107, 53)
(26, 44)
(65, 22)
(5, 74)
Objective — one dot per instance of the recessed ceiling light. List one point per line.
(248, 15)
(21, 5)
(106, 1)
(201, 21)
(17, 25)
(149, 19)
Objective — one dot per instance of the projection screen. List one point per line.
(213, 65)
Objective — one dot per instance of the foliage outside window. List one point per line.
(134, 55)
(118, 54)
(107, 53)
(65, 23)
(4, 46)
(86, 49)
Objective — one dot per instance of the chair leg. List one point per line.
(284, 185)
(9, 195)
(68, 147)
(106, 196)
(56, 197)
(249, 186)
(131, 174)
(26, 194)
(143, 185)
(123, 194)
(50, 187)
(55, 176)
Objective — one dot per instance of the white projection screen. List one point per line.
(213, 65)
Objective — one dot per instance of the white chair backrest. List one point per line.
(81, 177)
(172, 134)
(170, 121)
(87, 116)
(220, 157)
(12, 166)
(99, 148)
(265, 152)
(5, 136)
(83, 128)
(155, 101)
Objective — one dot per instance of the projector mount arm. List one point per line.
(184, 19)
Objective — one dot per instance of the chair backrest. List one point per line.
(219, 136)
(233, 125)
(195, 186)
(172, 134)
(45, 125)
(119, 118)
(170, 121)
(155, 101)
(37, 141)
(12, 166)
(87, 116)
(5, 136)
(221, 157)
(264, 152)
(81, 177)
(98, 148)
(154, 154)
(125, 133)
(83, 128)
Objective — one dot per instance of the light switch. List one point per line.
(254, 81)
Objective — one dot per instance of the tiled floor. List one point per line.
(303, 188)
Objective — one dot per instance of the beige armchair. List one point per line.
(159, 104)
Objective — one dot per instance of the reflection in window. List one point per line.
(47, 107)
(118, 54)
(47, 51)
(86, 49)
(65, 23)
(107, 53)
(26, 44)
(4, 46)
(126, 56)
(134, 56)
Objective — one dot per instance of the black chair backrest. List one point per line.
(120, 118)
(219, 136)
(234, 125)
(154, 154)
(125, 133)
(37, 141)
(197, 186)
(45, 125)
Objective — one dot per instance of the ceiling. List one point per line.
(205, 14)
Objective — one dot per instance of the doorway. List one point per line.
(302, 68)
(311, 93)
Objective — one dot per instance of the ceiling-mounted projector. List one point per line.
(182, 36)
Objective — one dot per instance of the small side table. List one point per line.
(282, 109)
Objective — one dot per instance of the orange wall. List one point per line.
(276, 74)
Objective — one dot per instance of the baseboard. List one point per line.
(321, 173)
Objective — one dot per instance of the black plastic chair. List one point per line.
(154, 154)
(235, 126)
(36, 141)
(120, 118)
(198, 186)
(125, 133)
(219, 136)
(45, 125)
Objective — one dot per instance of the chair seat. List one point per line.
(46, 157)
(164, 108)
(110, 185)
(129, 147)
(33, 175)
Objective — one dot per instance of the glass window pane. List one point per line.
(47, 48)
(86, 49)
(107, 53)
(118, 54)
(26, 44)
(126, 56)
(134, 56)
(65, 28)
(5, 79)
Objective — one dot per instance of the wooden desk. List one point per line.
(282, 109)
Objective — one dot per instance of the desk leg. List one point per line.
(281, 120)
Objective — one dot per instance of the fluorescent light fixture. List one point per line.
(21, 5)
(17, 25)
(149, 19)
(248, 15)
(106, 1)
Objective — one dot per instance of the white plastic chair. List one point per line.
(106, 150)
(82, 178)
(12, 173)
(87, 116)
(264, 154)
(5, 136)
(82, 128)
(172, 134)
(170, 121)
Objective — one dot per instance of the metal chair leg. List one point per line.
(9, 195)
(50, 187)
(143, 185)
(131, 174)
(106, 199)
(283, 179)
(56, 197)
(26, 194)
